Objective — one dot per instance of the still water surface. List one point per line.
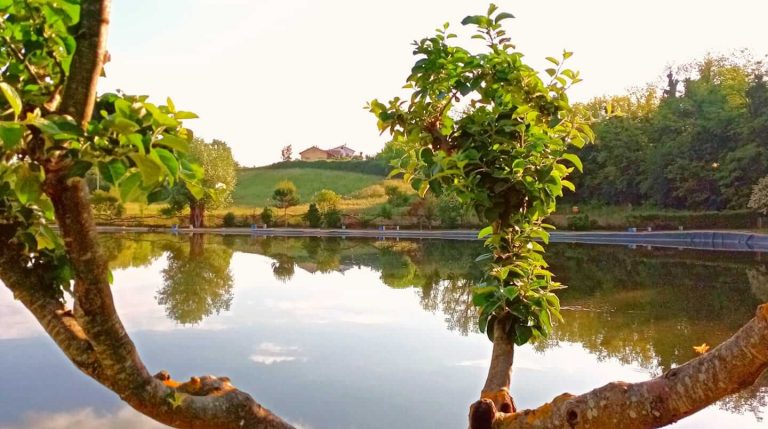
(342, 334)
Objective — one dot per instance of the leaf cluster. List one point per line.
(486, 127)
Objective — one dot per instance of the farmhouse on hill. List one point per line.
(314, 153)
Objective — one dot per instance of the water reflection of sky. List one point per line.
(323, 350)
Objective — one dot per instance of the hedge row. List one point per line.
(366, 166)
(736, 219)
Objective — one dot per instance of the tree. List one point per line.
(506, 154)
(219, 172)
(54, 131)
(286, 154)
(284, 196)
(313, 216)
(267, 217)
(758, 200)
(326, 199)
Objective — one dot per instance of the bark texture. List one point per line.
(732, 366)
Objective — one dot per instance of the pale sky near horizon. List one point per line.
(263, 74)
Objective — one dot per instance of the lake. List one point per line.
(335, 333)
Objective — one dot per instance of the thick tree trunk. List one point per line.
(197, 214)
(732, 366)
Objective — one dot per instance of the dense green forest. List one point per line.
(699, 142)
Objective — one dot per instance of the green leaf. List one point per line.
(169, 161)
(124, 126)
(523, 334)
(151, 169)
(46, 238)
(13, 98)
(11, 134)
(28, 185)
(44, 125)
(130, 187)
(161, 118)
(112, 171)
(159, 195)
(185, 115)
(488, 230)
(195, 189)
(553, 61)
(511, 292)
(135, 140)
(79, 168)
(574, 160)
(502, 16)
(174, 142)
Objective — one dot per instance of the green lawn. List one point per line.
(255, 186)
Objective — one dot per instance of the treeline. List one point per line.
(699, 143)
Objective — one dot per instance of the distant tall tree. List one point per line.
(286, 153)
(285, 195)
(219, 177)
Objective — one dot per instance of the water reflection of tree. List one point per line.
(197, 282)
(640, 307)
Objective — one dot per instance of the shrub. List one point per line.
(313, 216)
(449, 210)
(332, 218)
(759, 198)
(424, 209)
(229, 220)
(385, 211)
(396, 197)
(581, 222)
(106, 205)
(326, 200)
(267, 216)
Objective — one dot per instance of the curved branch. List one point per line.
(729, 368)
(38, 295)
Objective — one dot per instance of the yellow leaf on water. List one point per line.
(701, 349)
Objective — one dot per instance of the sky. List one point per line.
(263, 74)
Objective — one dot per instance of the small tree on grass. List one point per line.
(313, 216)
(267, 216)
(332, 218)
(327, 201)
(284, 196)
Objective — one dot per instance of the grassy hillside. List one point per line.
(255, 185)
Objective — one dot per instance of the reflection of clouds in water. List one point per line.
(86, 418)
(17, 321)
(322, 310)
(270, 353)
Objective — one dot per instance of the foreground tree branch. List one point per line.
(732, 366)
